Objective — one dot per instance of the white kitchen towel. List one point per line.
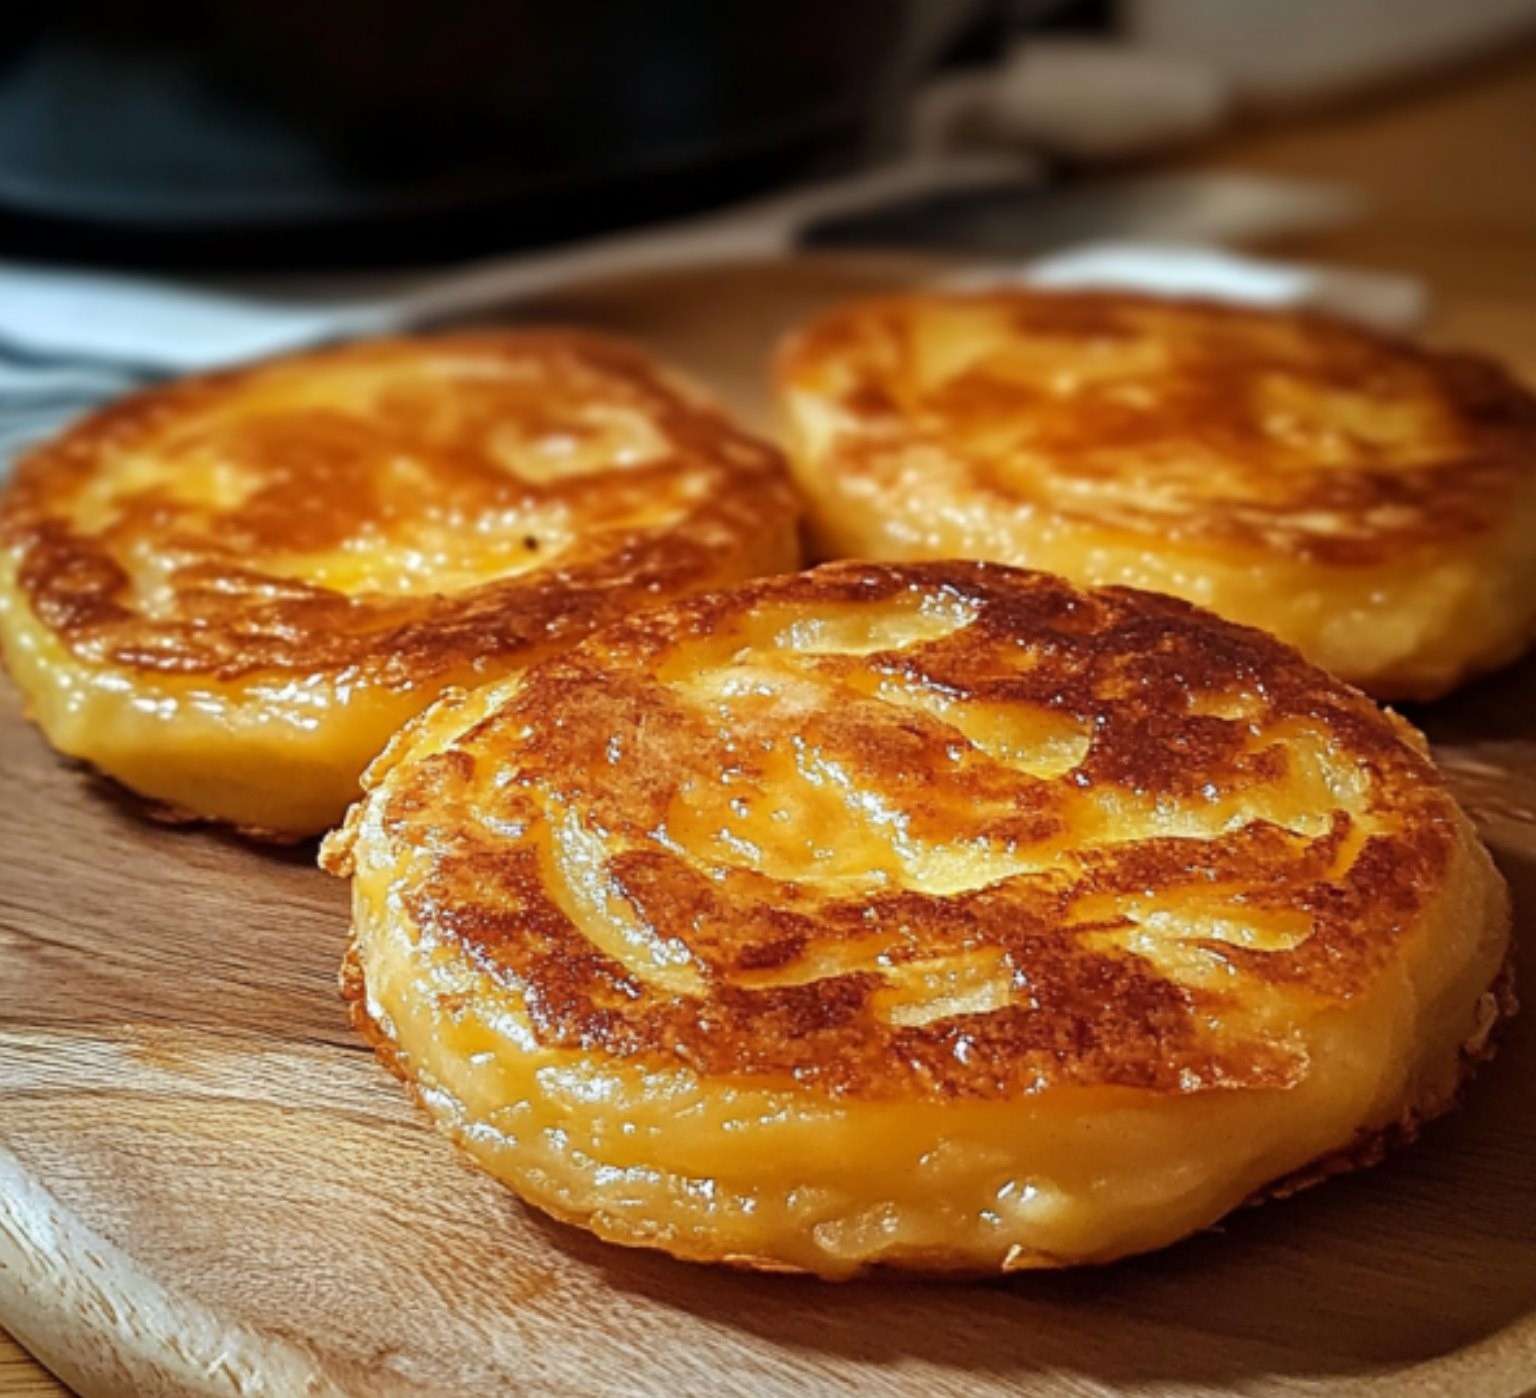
(40, 392)
(143, 331)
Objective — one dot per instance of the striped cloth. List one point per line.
(71, 341)
(41, 392)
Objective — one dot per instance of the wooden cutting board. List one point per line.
(208, 1186)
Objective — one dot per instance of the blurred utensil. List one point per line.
(984, 206)
(175, 326)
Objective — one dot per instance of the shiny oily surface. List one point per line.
(939, 916)
(1369, 501)
(228, 592)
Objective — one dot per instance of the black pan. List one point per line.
(268, 130)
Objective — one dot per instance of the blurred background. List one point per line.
(246, 133)
(189, 183)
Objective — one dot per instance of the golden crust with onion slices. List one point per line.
(938, 916)
(228, 592)
(1367, 500)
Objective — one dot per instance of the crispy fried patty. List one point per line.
(228, 592)
(1368, 500)
(941, 916)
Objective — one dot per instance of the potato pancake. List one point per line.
(228, 593)
(938, 916)
(1371, 502)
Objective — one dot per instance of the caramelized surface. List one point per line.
(938, 916)
(1267, 429)
(229, 591)
(946, 830)
(1225, 455)
(397, 506)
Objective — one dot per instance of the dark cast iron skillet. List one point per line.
(264, 131)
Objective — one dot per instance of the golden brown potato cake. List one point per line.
(938, 916)
(228, 593)
(1371, 502)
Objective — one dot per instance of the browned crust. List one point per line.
(1202, 406)
(234, 611)
(598, 731)
(1368, 1148)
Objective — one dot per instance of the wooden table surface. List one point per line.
(1452, 173)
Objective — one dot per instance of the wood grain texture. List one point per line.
(1449, 169)
(207, 1186)
(21, 1376)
